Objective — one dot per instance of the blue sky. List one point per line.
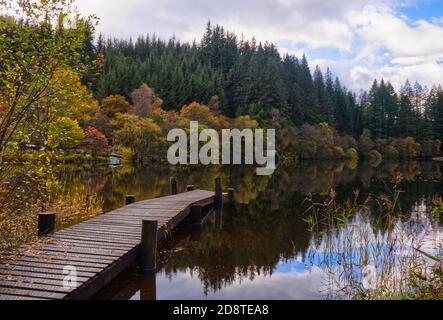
(426, 10)
(358, 40)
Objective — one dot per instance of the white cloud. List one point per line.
(437, 20)
(293, 285)
(316, 23)
(383, 29)
(395, 49)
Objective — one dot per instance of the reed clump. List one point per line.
(76, 208)
(20, 226)
(371, 251)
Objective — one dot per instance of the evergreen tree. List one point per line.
(436, 111)
(405, 124)
(251, 78)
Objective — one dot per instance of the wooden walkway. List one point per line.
(99, 249)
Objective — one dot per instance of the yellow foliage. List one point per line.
(167, 120)
(196, 112)
(245, 122)
(70, 97)
(219, 122)
(140, 134)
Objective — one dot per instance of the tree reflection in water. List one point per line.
(269, 233)
(265, 230)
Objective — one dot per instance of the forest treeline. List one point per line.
(244, 77)
(253, 78)
(63, 90)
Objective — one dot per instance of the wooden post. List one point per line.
(196, 220)
(231, 194)
(219, 219)
(88, 201)
(218, 193)
(148, 290)
(148, 246)
(196, 216)
(174, 187)
(129, 199)
(190, 188)
(46, 223)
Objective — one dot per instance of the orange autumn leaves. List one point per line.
(202, 114)
(143, 126)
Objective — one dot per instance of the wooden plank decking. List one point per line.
(99, 249)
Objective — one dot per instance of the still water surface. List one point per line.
(263, 248)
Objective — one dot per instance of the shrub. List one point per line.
(339, 153)
(375, 158)
(430, 148)
(346, 142)
(95, 142)
(113, 105)
(390, 153)
(407, 148)
(65, 133)
(352, 154)
(365, 144)
(142, 135)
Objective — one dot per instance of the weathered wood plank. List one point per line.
(58, 267)
(51, 256)
(32, 293)
(7, 297)
(30, 270)
(58, 262)
(35, 286)
(40, 281)
(95, 226)
(129, 231)
(16, 274)
(92, 241)
(74, 249)
(100, 249)
(122, 222)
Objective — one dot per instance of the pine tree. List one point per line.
(321, 99)
(436, 111)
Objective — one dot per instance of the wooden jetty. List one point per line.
(98, 250)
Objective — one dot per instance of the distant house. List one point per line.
(114, 159)
(29, 147)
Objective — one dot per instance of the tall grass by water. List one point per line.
(369, 250)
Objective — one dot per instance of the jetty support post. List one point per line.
(148, 290)
(218, 194)
(46, 223)
(148, 247)
(231, 194)
(197, 222)
(196, 216)
(218, 203)
(174, 186)
(129, 199)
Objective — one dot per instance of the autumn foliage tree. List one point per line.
(144, 101)
(201, 113)
(95, 141)
(65, 133)
(47, 36)
(142, 135)
(113, 105)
